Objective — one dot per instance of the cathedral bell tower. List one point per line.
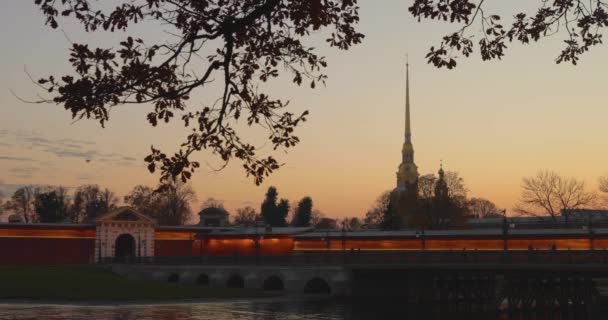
(404, 196)
(407, 175)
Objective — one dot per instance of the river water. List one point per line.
(295, 309)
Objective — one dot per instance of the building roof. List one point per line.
(261, 231)
(195, 228)
(488, 232)
(213, 211)
(573, 216)
(398, 233)
(125, 214)
(23, 225)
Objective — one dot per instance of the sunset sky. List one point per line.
(493, 122)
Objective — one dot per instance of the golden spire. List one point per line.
(407, 175)
(408, 132)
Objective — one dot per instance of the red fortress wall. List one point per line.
(30, 244)
(36, 244)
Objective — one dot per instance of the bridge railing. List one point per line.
(386, 258)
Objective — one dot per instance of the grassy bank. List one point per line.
(89, 284)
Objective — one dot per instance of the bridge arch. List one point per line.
(203, 280)
(317, 285)
(273, 283)
(235, 281)
(174, 277)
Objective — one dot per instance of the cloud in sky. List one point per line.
(63, 148)
(23, 172)
(7, 189)
(9, 158)
(88, 177)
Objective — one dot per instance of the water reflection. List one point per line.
(280, 310)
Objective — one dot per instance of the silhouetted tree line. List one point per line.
(441, 202)
(280, 212)
(48, 204)
(547, 193)
(169, 205)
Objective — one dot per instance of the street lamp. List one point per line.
(505, 229)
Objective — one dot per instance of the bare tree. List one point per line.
(482, 208)
(455, 183)
(353, 223)
(316, 216)
(548, 193)
(90, 202)
(144, 200)
(375, 215)
(2, 204)
(603, 185)
(246, 216)
(456, 187)
(22, 202)
(426, 186)
(169, 204)
(177, 199)
(603, 182)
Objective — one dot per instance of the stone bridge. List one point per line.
(524, 278)
(333, 280)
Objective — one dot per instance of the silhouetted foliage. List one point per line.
(391, 220)
(51, 204)
(441, 201)
(580, 22)
(241, 43)
(178, 197)
(548, 193)
(282, 213)
(269, 206)
(603, 186)
(246, 216)
(2, 204)
(90, 202)
(22, 203)
(144, 200)
(482, 208)
(170, 205)
(273, 213)
(375, 215)
(350, 224)
(315, 217)
(303, 213)
(326, 224)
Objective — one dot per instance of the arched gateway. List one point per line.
(124, 234)
(124, 247)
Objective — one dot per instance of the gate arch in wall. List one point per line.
(125, 234)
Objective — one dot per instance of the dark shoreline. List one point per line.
(285, 297)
